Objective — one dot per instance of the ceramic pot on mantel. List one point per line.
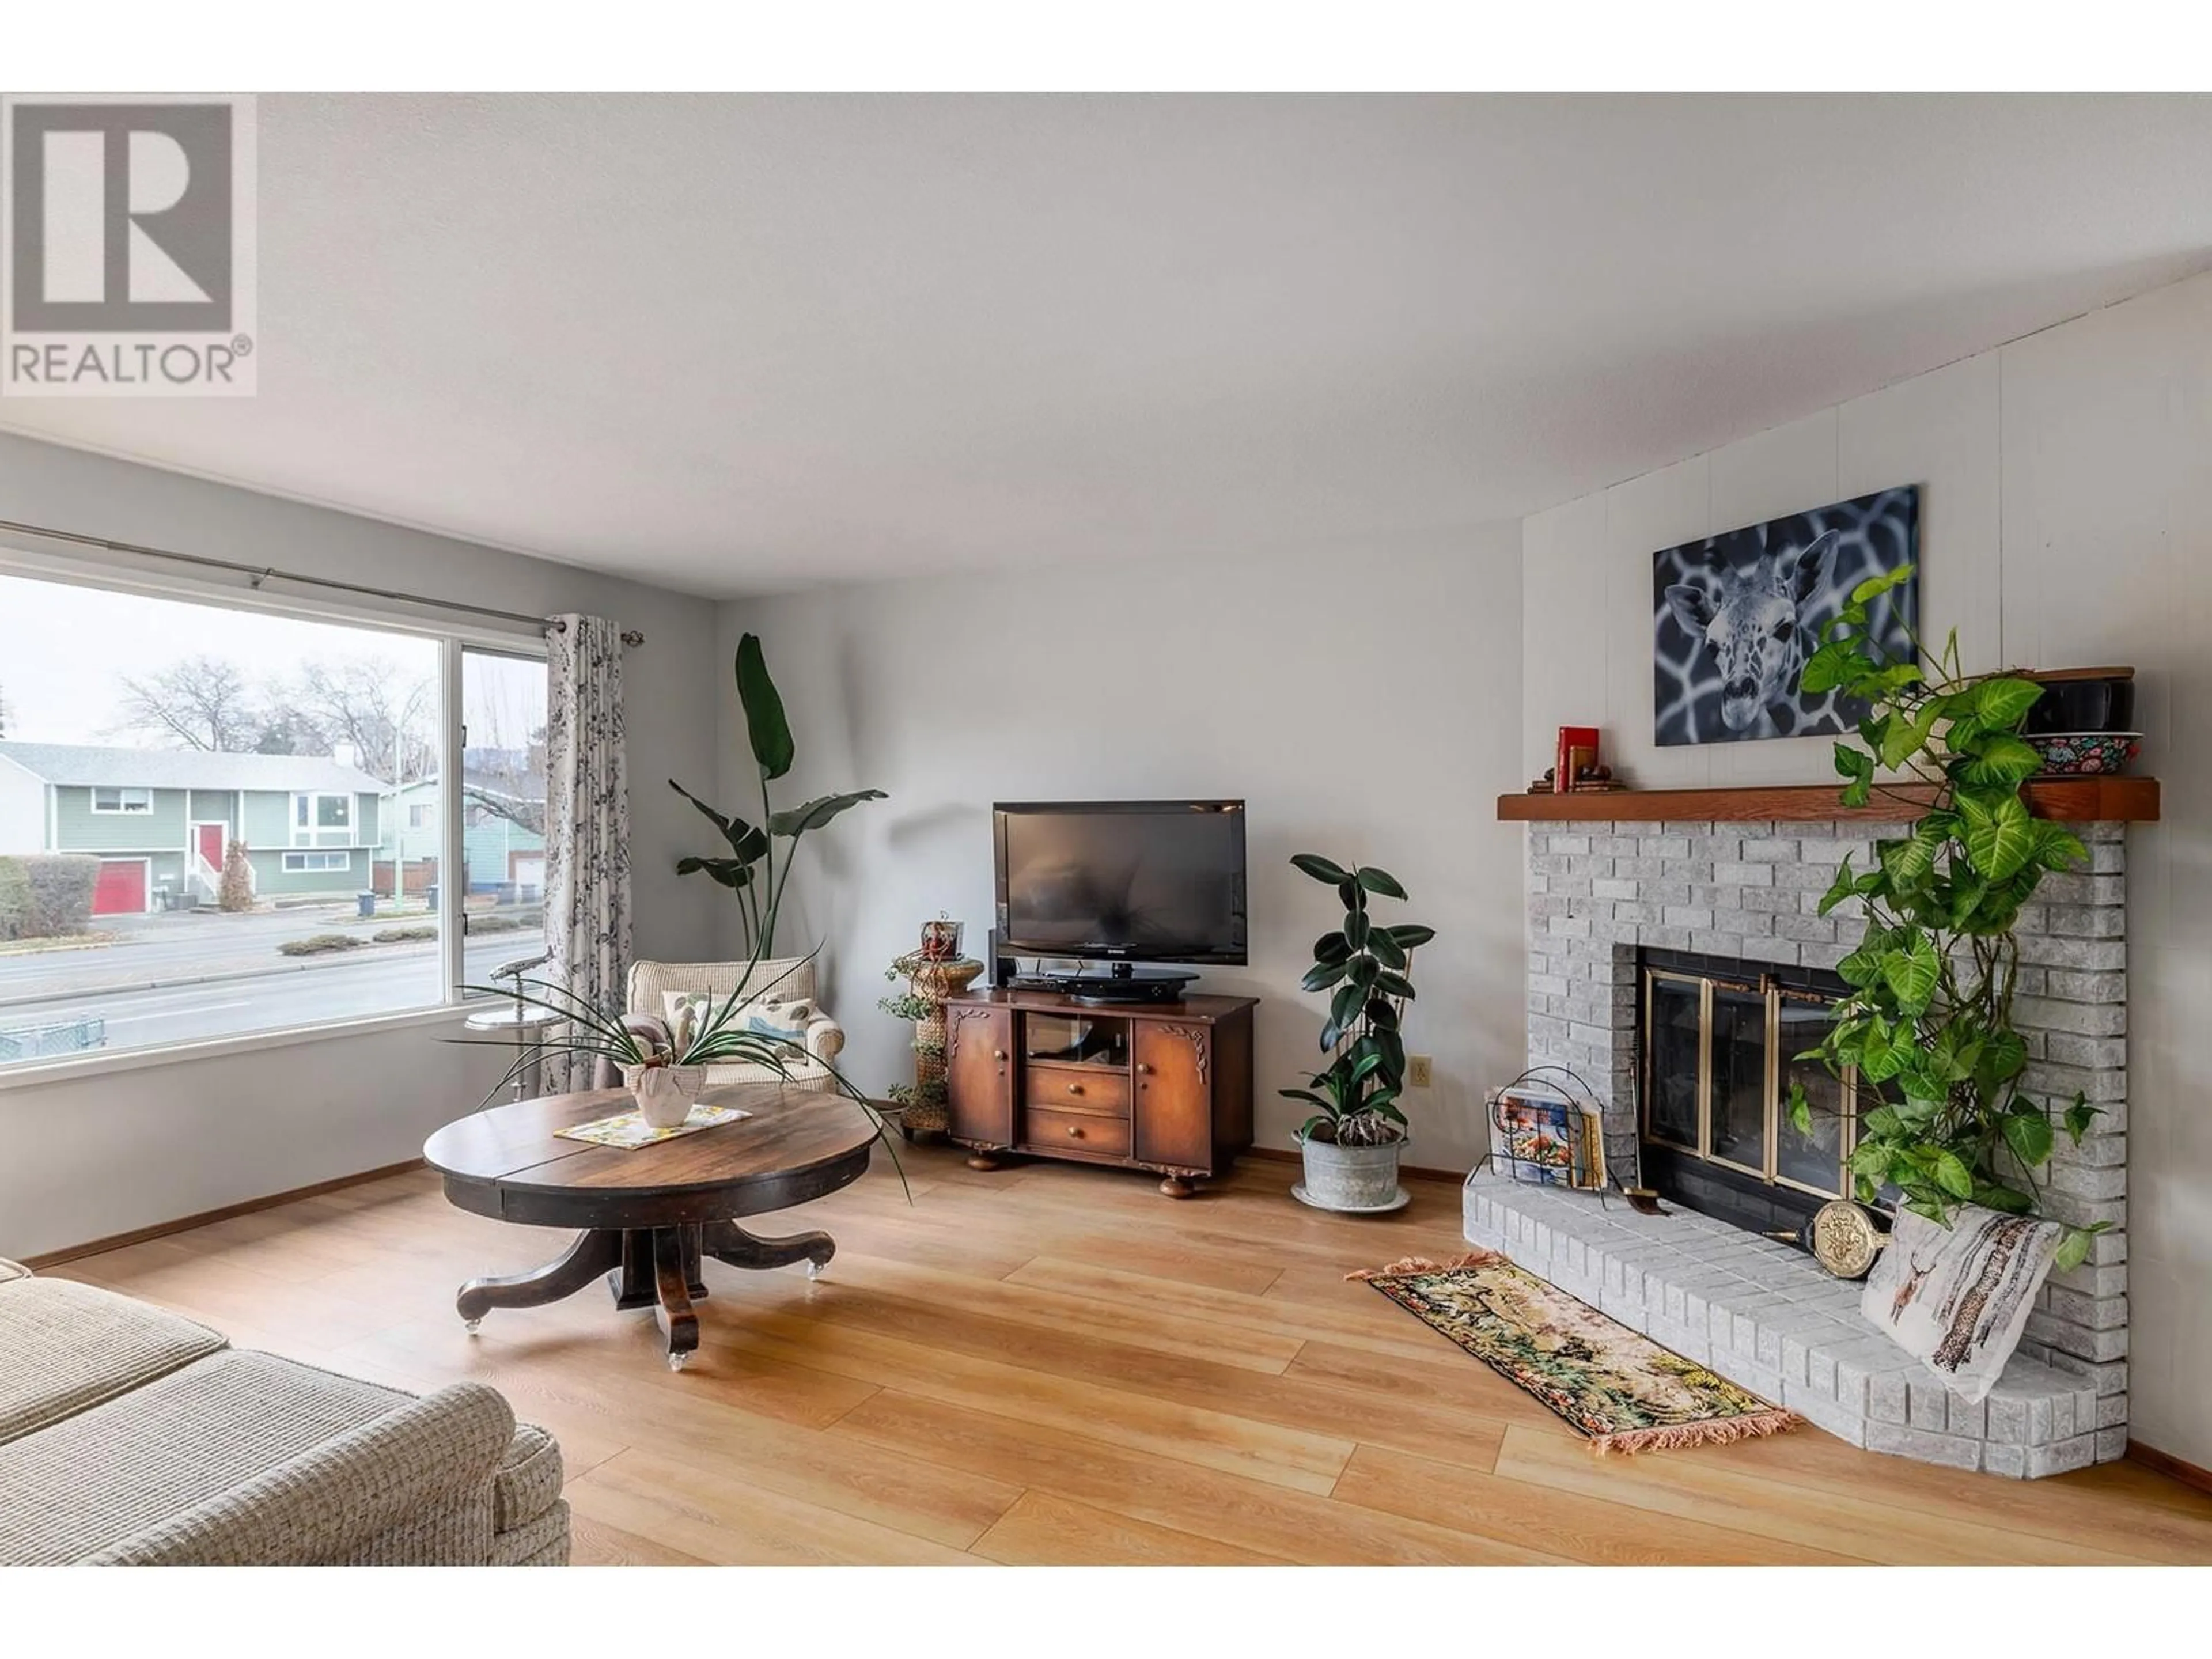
(665, 1094)
(1352, 1179)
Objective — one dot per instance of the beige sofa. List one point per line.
(130, 1436)
(784, 979)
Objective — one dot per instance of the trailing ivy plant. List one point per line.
(1366, 970)
(1928, 1024)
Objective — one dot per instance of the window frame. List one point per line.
(315, 830)
(122, 809)
(342, 854)
(451, 635)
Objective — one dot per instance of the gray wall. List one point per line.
(1362, 699)
(105, 1154)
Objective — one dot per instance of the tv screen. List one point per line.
(1131, 881)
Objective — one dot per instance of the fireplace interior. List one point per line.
(1718, 1041)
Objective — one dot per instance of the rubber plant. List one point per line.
(1367, 969)
(750, 869)
(1928, 1022)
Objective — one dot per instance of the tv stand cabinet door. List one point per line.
(979, 1074)
(1171, 1111)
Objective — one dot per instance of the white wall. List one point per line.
(1359, 699)
(2066, 519)
(100, 1155)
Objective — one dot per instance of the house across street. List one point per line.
(160, 820)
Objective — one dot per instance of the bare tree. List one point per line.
(389, 719)
(526, 810)
(503, 767)
(196, 702)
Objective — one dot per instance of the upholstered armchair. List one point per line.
(782, 979)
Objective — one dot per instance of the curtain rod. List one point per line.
(255, 574)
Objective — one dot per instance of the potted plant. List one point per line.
(750, 869)
(665, 1076)
(1352, 1143)
(1929, 1021)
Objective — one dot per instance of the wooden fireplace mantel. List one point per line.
(2070, 801)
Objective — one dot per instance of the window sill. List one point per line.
(184, 1053)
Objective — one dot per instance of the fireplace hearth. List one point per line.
(1675, 968)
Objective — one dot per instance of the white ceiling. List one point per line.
(739, 344)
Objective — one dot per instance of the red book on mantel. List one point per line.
(1564, 758)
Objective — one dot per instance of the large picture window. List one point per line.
(245, 809)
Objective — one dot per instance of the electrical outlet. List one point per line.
(1420, 1071)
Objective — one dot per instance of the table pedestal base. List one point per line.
(655, 1268)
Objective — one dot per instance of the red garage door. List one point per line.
(122, 888)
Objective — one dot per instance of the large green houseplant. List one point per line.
(750, 869)
(1928, 1024)
(1352, 1142)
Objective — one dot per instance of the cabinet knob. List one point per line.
(1074, 1131)
(1075, 1088)
(998, 1053)
(1142, 1068)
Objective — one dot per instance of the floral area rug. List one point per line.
(1616, 1385)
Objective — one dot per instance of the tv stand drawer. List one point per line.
(1064, 1088)
(1044, 1130)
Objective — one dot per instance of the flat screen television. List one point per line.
(1122, 881)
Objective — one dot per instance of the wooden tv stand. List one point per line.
(1164, 1086)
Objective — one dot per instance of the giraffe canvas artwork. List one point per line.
(1735, 617)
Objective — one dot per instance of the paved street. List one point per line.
(134, 985)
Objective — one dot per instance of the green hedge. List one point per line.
(14, 899)
(46, 895)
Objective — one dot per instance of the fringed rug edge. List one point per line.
(1706, 1431)
(1421, 1264)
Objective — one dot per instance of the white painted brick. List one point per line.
(2062, 1456)
(2011, 1461)
(2111, 1444)
(1969, 1418)
(1742, 873)
(1950, 1451)
(1823, 1412)
(2062, 1426)
(1885, 1394)
(1928, 1404)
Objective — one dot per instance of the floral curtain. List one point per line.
(587, 824)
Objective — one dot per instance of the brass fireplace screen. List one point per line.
(1718, 1063)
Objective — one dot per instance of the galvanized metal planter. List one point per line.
(1354, 1179)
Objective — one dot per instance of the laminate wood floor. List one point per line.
(1051, 1364)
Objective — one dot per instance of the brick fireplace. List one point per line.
(1609, 897)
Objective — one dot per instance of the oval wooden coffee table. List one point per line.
(650, 1213)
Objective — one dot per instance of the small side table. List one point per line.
(929, 985)
(530, 1025)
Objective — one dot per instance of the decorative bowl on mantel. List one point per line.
(2084, 754)
(2078, 700)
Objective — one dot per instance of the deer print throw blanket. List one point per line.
(1957, 1297)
